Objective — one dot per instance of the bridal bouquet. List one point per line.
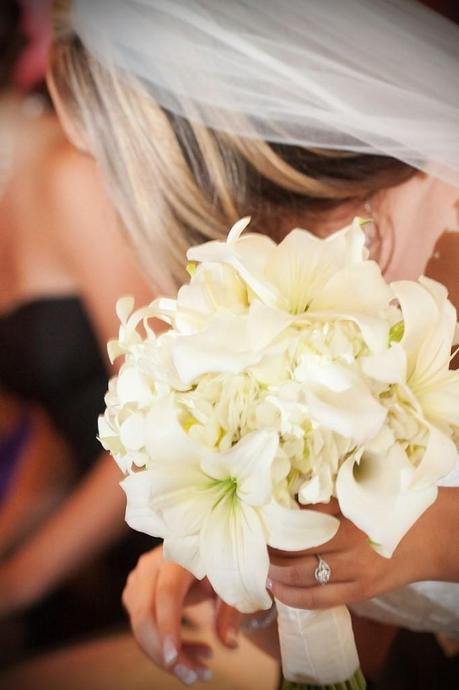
(291, 374)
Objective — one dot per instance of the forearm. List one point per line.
(430, 549)
(446, 534)
(90, 520)
(40, 481)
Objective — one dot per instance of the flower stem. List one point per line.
(356, 682)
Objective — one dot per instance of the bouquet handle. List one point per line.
(318, 648)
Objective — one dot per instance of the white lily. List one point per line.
(309, 277)
(216, 511)
(419, 363)
(128, 336)
(339, 399)
(212, 286)
(384, 494)
(229, 343)
(429, 334)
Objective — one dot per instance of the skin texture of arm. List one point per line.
(82, 227)
(40, 481)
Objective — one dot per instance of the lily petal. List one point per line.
(233, 548)
(303, 264)
(419, 311)
(350, 242)
(248, 256)
(221, 347)
(185, 551)
(294, 530)
(183, 495)
(438, 460)
(357, 289)
(124, 307)
(139, 513)
(388, 366)
(371, 495)
(440, 402)
(249, 462)
(229, 344)
(352, 413)
(165, 440)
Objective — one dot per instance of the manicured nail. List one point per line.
(170, 652)
(231, 638)
(205, 675)
(185, 674)
(269, 584)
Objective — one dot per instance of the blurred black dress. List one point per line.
(49, 355)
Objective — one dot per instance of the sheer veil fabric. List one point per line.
(371, 76)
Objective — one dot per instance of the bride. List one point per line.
(298, 114)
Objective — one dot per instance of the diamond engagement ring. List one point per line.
(322, 573)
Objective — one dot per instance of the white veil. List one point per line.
(370, 76)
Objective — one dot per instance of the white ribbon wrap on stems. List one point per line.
(317, 647)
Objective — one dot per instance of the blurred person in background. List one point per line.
(63, 264)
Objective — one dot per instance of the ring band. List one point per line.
(322, 573)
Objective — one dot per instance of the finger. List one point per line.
(146, 636)
(227, 623)
(318, 597)
(189, 666)
(138, 600)
(301, 572)
(172, 586)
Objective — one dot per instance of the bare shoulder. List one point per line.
(85, 225)
(90, 239)
(76, 196)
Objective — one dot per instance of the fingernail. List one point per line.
(170, 652)
(205, 675)
(269, 583)
(185, 674)
(231, 637)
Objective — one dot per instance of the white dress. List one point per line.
(428, 208)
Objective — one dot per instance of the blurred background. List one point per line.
(64, 550)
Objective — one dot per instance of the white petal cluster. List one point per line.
(291, 374)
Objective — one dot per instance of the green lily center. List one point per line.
(229, 487)
(225, 490)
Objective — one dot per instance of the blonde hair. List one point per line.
(176, 183)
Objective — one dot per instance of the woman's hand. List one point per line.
(358, 572)
(155, 595)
